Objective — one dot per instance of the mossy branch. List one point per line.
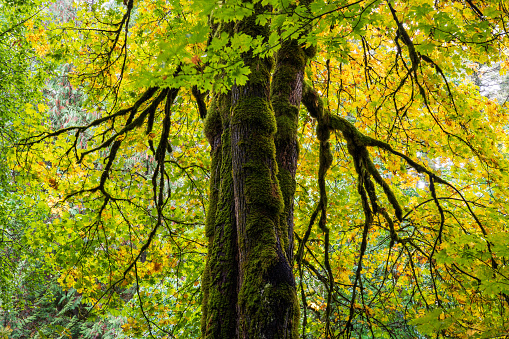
(357, 144)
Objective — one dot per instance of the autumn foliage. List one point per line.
(395, 224)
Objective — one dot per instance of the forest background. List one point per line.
(395, 223)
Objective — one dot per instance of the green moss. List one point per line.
(213, 192)
(264, 300)
(221, 272)
(260, 70)
(287, 85)
(205, 283)
(287, 125)
(292, 57)
(267, 292)
(256, 112)
(212, 131)
(224, 108)
(261, 299)
(288, 186)
(264, 193)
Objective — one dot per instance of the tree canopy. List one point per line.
(274, 168)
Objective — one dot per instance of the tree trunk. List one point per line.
(220, 279)
(287, 88)
(267, 300)
(249, 287)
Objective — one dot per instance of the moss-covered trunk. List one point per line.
(268, 306)
(249, 287)
(220, 279)
(287, 88)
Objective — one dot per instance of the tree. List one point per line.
(385, 75)
(20, 273)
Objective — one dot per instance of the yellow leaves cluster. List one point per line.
(147, 6)
(30, 24)
(68, 280)
(5, 332)
(504, 67)
(37, 37)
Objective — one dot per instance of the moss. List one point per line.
(267, 292)
(287, 126)
(212, 131)
(260, 70)
(267, 297)
(291, 57)
(224, 108)
(287, 118)
(322, 131)
(286, 181)
(213, 192)
(312, 101)
(287, 91)
(205, 285)
(264, 193)
(288, 186)
(256, 112)
(261, 300)
(281, 87)
(221, 272)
